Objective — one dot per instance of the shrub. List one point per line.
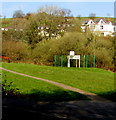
(15, 50)
(7, 89)
(46, 50)
(83, 44)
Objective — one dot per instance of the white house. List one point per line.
(99, 26)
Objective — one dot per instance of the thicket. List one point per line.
(16, 50)
(45, 50)
(102, 48)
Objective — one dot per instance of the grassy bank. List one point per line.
(38, 90)
(90, 79)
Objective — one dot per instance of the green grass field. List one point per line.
(39, 90)
(89, 79)
(6, 22)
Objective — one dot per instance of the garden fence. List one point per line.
(85, 61)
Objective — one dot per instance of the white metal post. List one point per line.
(79, 63)
(68, 62)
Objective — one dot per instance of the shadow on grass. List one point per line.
(54, 96)
(111, 95)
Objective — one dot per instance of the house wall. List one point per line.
(101, 27)
(106, 27)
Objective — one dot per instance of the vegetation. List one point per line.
(20, 86)
(37, 38)
(7, 90)
(44, 51)
(93, 80)
(92, 16)
(6, 22)
(18, 14)
(15, 50)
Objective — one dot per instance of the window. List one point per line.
(114, 29)
(101, 21)
(102, 27)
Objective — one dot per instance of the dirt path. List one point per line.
(91, 96)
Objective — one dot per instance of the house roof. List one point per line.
(106, 21)
(85, 22)
(96, 21)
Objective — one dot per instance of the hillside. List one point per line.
(7, 22)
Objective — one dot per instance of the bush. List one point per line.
(7, 89)
(12, 35)
(46, 50)
(83, 44)
(104, 52)
(17, 51)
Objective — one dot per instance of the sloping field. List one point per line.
(37, 90)
(89, 79)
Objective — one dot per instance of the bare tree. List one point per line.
(79, 16)
(66, 12)
(51, 10)
(108, 14)
(55, 11)
(18, 14)
(92, 16)
(28, 15)
(4, 17)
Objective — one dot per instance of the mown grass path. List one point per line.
(92, 96)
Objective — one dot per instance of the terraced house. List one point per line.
(99, 26)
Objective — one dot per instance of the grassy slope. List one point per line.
(7, 21)
(38, 89)
(90, 79)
